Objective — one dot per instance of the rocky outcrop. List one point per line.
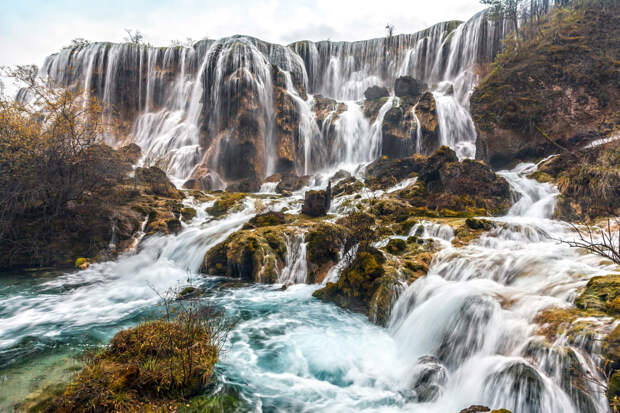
(291, 183)
(253, 255)
(385, 172)
(588, 181)
(426, 111)
(398, 132)
(540, 97)
(408, 86)
(376, 92)
(316, 203)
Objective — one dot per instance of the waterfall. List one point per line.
(193, 110)
(296, 269)
(472, 313)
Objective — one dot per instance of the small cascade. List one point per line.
(296, 269)
(476, 305)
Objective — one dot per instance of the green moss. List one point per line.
(601, 294)
(80, 261)
(225, 203)
(396, 246)
(212, 404)
(188, 214)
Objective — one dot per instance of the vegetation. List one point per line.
(157, 366)
(53, 166)
(557, 80)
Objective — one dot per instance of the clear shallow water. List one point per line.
(460, 333)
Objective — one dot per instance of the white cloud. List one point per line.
(34, 31)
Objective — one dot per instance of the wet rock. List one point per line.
(426, 112)
(475, 409)
(157, 182)
(398, 133)
(174, 226)
(316, 203)
(385, 172)
(244, 185)
(131, 152)
(357, 284)
(601, 294)
(323, 245)
(188, 214)
(340, 175)
(522, 387)
(291, 183)
(429, 378)
(253, 255)
(376, 92)
(267, 219)
(408, 86)
(347, 186)
(225, 203)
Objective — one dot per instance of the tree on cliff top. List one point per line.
(508, 9)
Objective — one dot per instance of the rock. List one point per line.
(340, 175)
(385, 172)
(253, 255)
(157, 181)
(244, 185)
(430, 377)
(408, 86)
(174, 226)
(601, 294)
(82, 263)
(376, 92)
(426, 112)
(267, 219)
(316, 203)
(398, 133)
(475, 409)
(323, 245)
(226, 202)
(188, 214)
(357, 284)
(131, 152)
(291, 183)
(521, 384)
(396, 246)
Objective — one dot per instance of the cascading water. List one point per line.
(180, 103)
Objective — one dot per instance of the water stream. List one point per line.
(461, 335)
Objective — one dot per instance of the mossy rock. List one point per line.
(225, 203)
(382, 300)
(145, 365)
(601, 294)
(323, 245)
(396, 246)
(252, 255)
(81, 262)
(267, 219)
(357, 284)
(188, 214)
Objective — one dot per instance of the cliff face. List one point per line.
(557, 87)
(236, 110)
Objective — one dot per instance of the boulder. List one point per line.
(244, 185)
(398, 133)
(290, 183)
(426, 112)
(376, 92)
(408, 86)
(385, 172)
(157, 182)
(316, 203)
(357, 284)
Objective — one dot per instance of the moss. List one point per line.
(225, 203)
(81, 262)
(613, 387)
(323, 244)
(212, 404)
(601, 294)
(265, 220)
(144, 366)
(357, 284)
(188, 214)
(396, 246)
(381, 302)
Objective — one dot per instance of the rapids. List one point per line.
(461, 335)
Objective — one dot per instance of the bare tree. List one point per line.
(134, 36)
(389, 29)
(510, 10)
(604, 243)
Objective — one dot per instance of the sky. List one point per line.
(32, 29)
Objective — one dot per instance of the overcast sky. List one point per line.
(32, 29)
